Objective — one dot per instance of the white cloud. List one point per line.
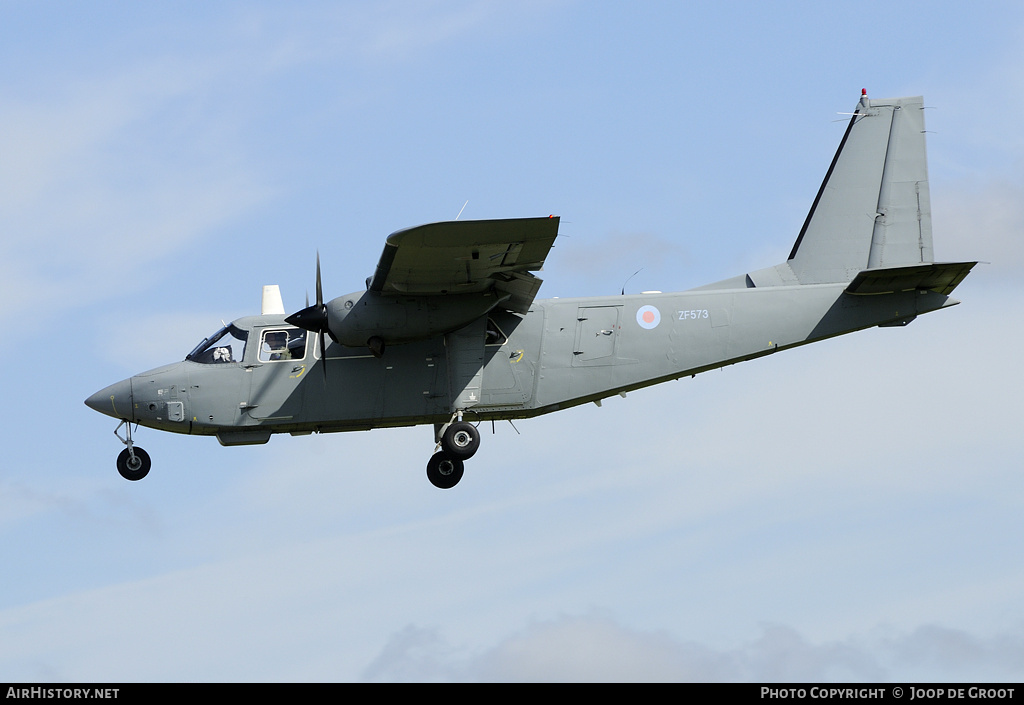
(404, 30)
(92, 196)
(983, 220)
(597, 648)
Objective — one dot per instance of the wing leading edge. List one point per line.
(467, 256)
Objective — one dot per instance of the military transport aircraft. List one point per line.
(448, 331)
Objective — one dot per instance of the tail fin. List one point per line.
(870, 225)
(873, 208)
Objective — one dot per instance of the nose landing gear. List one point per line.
(458, 441)
(133, 463)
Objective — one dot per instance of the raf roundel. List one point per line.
(648, 317)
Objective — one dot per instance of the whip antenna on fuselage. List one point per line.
(627, 280)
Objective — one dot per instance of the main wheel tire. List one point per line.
(133, 468)
(443, 471)
(461, 440)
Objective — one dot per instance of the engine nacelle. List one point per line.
(355, 319)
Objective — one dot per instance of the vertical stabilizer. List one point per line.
(873, 208)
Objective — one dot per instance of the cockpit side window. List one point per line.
(226, 345)
(282, 344)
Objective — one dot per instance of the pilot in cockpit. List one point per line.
(277, 346)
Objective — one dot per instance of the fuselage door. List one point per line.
(276, 373)
(597, 330)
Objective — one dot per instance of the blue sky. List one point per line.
(848, 511)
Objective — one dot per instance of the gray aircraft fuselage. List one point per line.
(563, 352)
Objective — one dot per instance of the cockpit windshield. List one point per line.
(226, 345)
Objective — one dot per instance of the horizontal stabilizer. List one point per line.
(940, 277)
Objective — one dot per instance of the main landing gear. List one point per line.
(458, 441)
(133, 463)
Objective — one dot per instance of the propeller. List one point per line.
(314, 318)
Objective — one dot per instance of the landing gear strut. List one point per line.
(133, 463)
(458, 441)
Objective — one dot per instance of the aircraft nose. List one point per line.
(115, 400)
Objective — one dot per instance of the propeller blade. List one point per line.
(319, 289)
(323, 355)
(314, 318)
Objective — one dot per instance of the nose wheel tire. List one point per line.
(444, 472)
(461, 440)
(133, 468)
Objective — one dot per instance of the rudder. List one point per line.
(873, 208)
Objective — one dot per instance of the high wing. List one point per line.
(467, 256)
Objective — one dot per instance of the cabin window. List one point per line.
(282, 344)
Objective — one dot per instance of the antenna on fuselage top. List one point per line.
(627, 281)
(462, 209)
(272, 303)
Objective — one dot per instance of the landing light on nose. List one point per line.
(115, 400)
